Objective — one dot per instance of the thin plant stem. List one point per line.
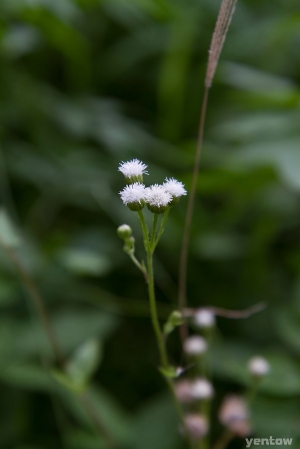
(150, 246)
(189, 215)
(153, 310)
(138, 265)
(221, 28)
(153, 232)
(162, 226)
(144, 230)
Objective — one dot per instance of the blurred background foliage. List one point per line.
(85, 84)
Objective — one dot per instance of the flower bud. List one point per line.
(176, 318)
(258, 366)
(195, 345)
(234, 415)
(196, 426)
(124, 231)
(204, 319)
(183, 390)
(201, 389)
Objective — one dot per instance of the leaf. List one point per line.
(288, 325)
(85, 262)
(84, 362)
(170, 372)
(28, 376)
(111, 414)
(156, 425)
(72, 327)
(9, 235)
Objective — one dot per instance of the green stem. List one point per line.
(144, 230)
(149, 247)
(138, 265)
(162, 226)
(153, 310)
(153, 232)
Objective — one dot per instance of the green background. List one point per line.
(85, 84)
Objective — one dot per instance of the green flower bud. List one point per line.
(124, 231)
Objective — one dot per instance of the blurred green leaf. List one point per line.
(84, 362)
(9, 235)
(84, 262)
(156, 424)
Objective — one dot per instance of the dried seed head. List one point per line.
(218, 39)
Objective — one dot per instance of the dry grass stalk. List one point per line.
(222, 25)
(218, 39)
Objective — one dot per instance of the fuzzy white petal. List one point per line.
(174, 187)
(133, 193)
(133, 168)
(156, 195)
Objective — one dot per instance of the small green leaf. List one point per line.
(170, 372)
(84, 362)
(64, 380)
(8, 232)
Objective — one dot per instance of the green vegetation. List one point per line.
(85, 84)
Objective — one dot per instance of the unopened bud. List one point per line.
(196, 426)
(235, 416)
(195, 345)
(183, 391)
(201, 389)
(258, 366)
(204, 318)
(176, 318)
(124, 231)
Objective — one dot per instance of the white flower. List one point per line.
(157, 198)
(204, 318)
(258, 366)
(174, 188)
(201, 389)
(195, 345)
(133, 196)
(133, 170)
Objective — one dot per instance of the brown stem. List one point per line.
(233, 314)
(189, 215)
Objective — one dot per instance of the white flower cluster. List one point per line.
(157, 197)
